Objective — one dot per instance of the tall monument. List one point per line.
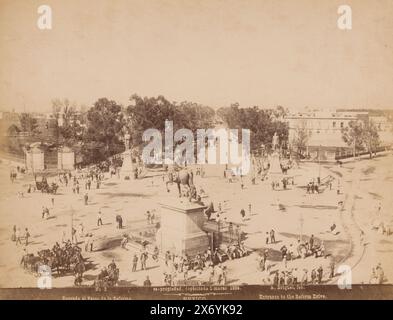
(275, 141)
(127, 168)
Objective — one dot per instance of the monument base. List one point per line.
(183, 244)
(127, 168)
(180, 232)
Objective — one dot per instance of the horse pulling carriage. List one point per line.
(107, 278)
(44, 186)
(63, 260)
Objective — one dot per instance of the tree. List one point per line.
(29, 123)
(301, 138)
(13, 130)
(145, 113)
(104, 131)
(371, 137)
(361, 135)
(353, 135)
(262, 124)
(70, 129)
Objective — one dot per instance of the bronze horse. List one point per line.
(183, 178)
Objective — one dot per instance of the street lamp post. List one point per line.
(301, 226)
(319, 164)
(72, 224)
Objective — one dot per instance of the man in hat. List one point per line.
(147, 282)
(134, 262)
(99, 218)
(27, 236)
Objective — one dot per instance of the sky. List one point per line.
(214, 52)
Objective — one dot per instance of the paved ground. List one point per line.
(365, 184)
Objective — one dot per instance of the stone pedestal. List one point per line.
(65, 159)
(127, 169)
(181, 227)
(35, 160)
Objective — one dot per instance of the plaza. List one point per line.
(294, 214)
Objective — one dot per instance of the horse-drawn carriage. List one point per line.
(107, 278)
(63, 260)
(44, 186)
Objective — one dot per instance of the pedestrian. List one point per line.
(262, 263)
(17, 236)
(13, 237)
(313, 276)
(361, 237)
(305, 277)
(284, 260)
(91, 242)
(272, 236)
(134, 262)
(119, 221)
(267, 237)
(81, 230)
(77, 188)
(276, 280)
(47, 212)
(311, 241)
(249, 209)
(167, 258)
(124, 241)
(320, 274)
(152, 217)
(332, 267)
(112, 265)
(64, 237)
(380, 275)
(242, 213)
(27, 236)
(147, 282)
(86, 197)
(74, 239)
(43, 212)
(99, 218)
(87, 243)
(148, 216)
(230, 230)
(143, 259)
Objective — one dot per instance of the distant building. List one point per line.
(385, 129)
(324, 130)
(46, 124)
(7, 121)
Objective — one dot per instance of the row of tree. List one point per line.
(100, 131)
(361, 136)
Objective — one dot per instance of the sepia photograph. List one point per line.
(196, 150)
